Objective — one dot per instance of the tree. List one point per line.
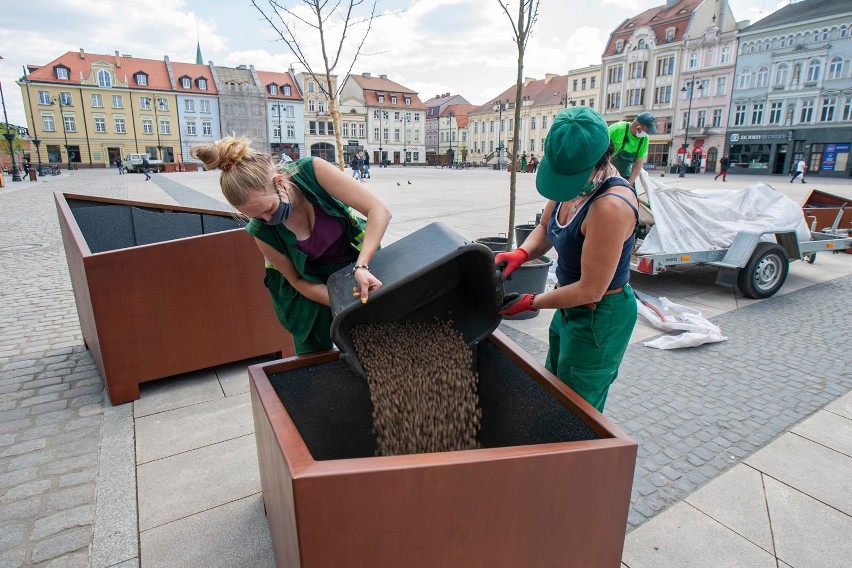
(527, 16)
(17, 143)
(287, 31)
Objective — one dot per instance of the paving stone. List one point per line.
(78, 477)
(49, 407)
(79, 559)
(24, 447)
(20, 509)
(31, 459)
(25, 490)
(12, 558)
(41, 383)
(70, 497)
(61, 544)
(11, 535)
(68, 465)
(81, 516)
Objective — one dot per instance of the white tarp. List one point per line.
(666, 315)
(691, 220)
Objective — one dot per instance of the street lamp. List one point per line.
(64, 130)
(499, 108)
(688, 115)
(450, 118)
(36, 141)
(10, 139)
(383, 114)
(405, 126)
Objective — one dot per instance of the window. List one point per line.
(847, 109)
(385, 134)
(104, 79)
(544, 122)
(532, 144)
(703, 88)
(665, 65)
(583, 83)
(619, 46)
(47, 123)
(190, 128)
(361, 128)
(312, 87)
(613, 101)
(321, 105)
(693, 60)
(162, 103)
(312, 105)
(276, 131)
(70, 124)
(206, 128)
(663, 95)
(726, 54)
(835, 68)
(273, 89)
(641, 44)
(592, 82)
(119, 125)
(145, 103)
(757, 114)
(781, 75)
(532, 123)
(827, 114)
(615, 74)
(393, 100)
(717, 118)
(97, 101)
(381, 98)
(702, 119)
(408, 100)
(782, 42)
(684, 120)
(287, 90)
(814, 68)
(141, 78)
(807, 114)
(147, 126)
(291, 131)
(637, 70)
(635, 97)
(65, 98)
(117, 101)
(763, 77)
(186, 82)
(739, 115)
(44, 97)
(100, 124)
(189, 105)
(745, 79)
(670, 34)
(165, 126)
(775, 109)
(61, 72)
(592, 102)
(202, 84)
(721, 86)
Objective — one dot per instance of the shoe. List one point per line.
(803, 181)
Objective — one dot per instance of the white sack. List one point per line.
(709, 219)
(669, 316)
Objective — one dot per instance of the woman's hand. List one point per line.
(366, 284)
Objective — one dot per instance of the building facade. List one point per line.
(584, 86)
(395, 118)
(792, 95)
(319, 134)
(434, 107)
(242, 104)
(285, 112)
(197, 105)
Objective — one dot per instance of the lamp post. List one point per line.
(450, 118)
(64, 130)
(10, 138)
(35, 140)
(686, 130)
(405, 125)
(499, 108)
(382, 115)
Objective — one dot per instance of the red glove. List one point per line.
(514, 304)
(508, 262)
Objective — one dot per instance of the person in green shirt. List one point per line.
(630, 144)
(301, 216)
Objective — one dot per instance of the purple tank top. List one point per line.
(327, 243)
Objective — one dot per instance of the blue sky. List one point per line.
(431, 46)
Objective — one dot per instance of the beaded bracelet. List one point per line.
(357, 266)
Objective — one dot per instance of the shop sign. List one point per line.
(737, 137)
(829, 159)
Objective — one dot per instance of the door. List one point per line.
(780, 159)
(712, 154)
(114, 154)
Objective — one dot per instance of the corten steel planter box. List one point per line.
(825, 207)
(163, 290)
(550, 486)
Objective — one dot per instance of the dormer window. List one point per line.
(202, 83)
(408, 100)
(61, 72)
(393, 100)
(186, 82)
(619, 46)
(273, 89)
(141, 78)
(381, 98)
(104, 78)
(287, 90)
(641, 44)
(670, 34)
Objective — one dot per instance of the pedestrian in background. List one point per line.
(146, 168)
(523, 162)
(119, 165)
(801, 168)
(724, 164)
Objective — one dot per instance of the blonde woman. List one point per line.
(301, 216)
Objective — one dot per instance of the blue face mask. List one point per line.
(282, 213)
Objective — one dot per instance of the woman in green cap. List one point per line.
(590, 219)
(301, 216)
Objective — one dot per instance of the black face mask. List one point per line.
(282, 213)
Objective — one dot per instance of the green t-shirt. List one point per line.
(631, 144)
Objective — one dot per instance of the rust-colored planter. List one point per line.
(169, 168)
(824, 207)
(550, 487)
(163, 290)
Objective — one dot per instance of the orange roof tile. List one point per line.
(540, 92)
(659, 19)
(281, 79)
(80, 64)
(194, 71)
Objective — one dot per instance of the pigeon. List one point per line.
(409, 182)
(397, 184)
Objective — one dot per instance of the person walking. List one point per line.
(367, 165)
(146, 168)
(724, 164)
(356, 168)
(801, 168)
(590, 218)
(630, 144)
(533, 163)
(302, 216)
(119, 165)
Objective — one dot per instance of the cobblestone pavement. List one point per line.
(698, 412)
(695, 413)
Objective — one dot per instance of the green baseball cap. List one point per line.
(578, 138)
(647, 120)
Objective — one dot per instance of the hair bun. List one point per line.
(223, 154)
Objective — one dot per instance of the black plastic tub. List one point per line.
(496, 244)
(522, 232)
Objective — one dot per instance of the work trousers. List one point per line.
(587, 345)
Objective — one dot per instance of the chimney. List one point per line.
(82, 54)
(528, 80)
(548, 77)
(117, 59)
(365, 75)
(383, 76)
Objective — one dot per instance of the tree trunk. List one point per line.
(519, 84)
(338, 141)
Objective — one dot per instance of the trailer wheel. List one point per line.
(765, 272)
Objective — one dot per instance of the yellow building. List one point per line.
(89, 109)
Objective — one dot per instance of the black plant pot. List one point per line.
(530, 278)
(496, 244)
(522, 232)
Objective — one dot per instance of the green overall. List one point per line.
(308, 321)
(626, 147)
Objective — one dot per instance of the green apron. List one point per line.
(624, 160)
(587, 345)
(308, 321)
